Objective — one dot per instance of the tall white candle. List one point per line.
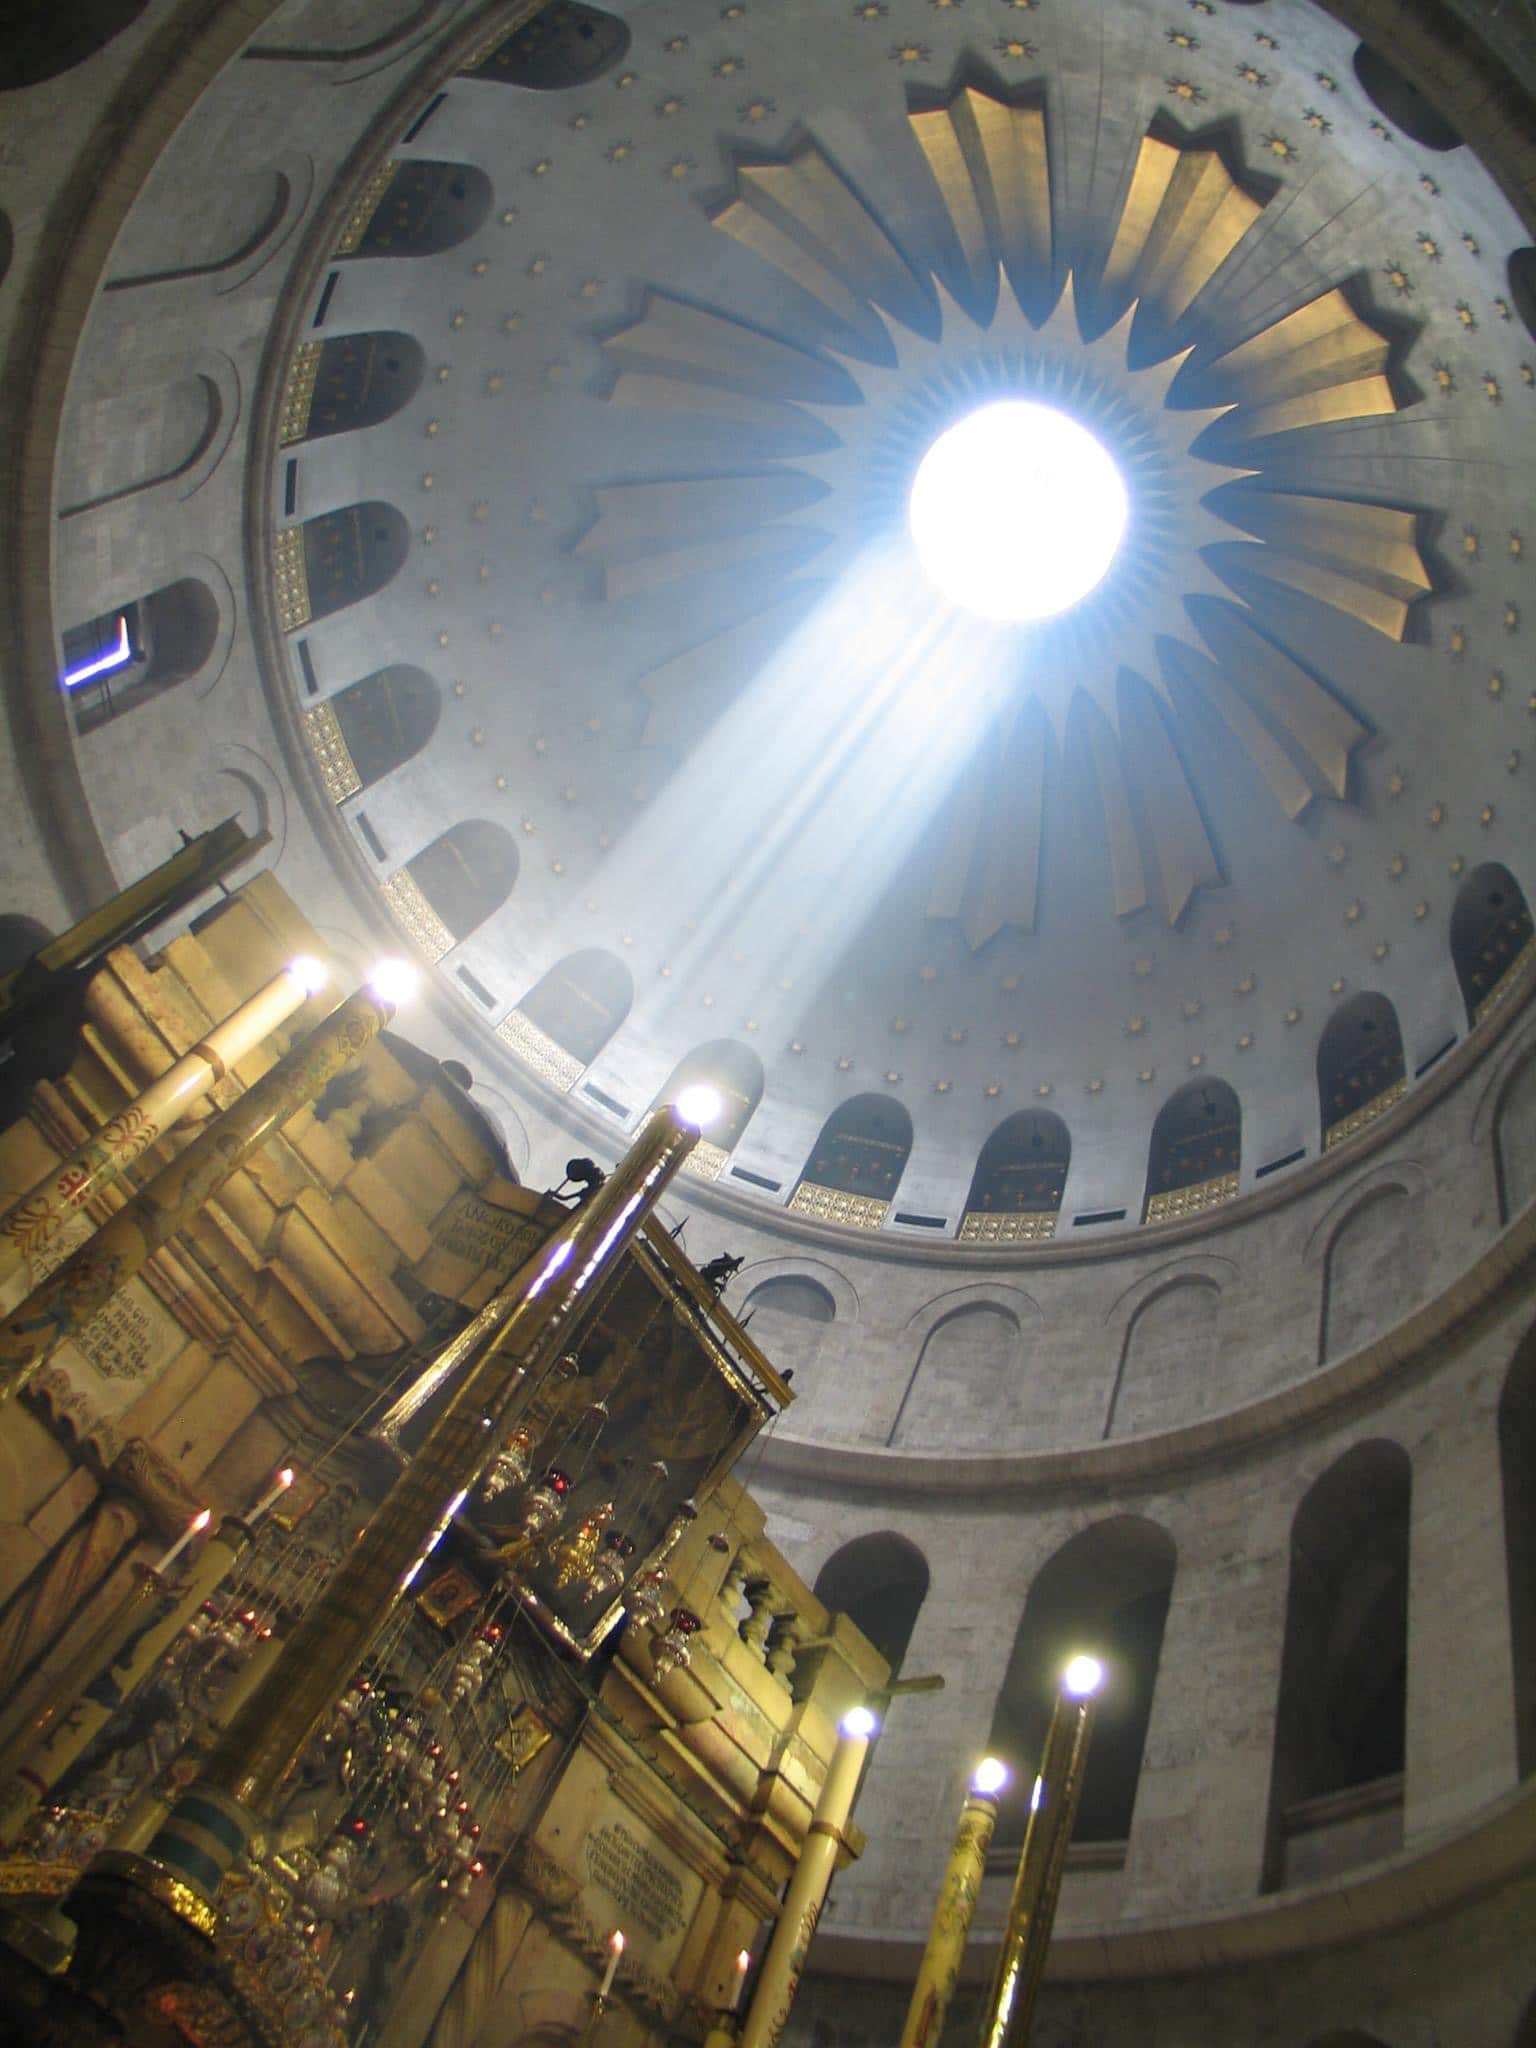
(279, 1486)
(615, 1950)
(198, 1525)
(743, 1964)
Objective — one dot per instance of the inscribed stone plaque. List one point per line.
(470, 1228)
(646, 1889)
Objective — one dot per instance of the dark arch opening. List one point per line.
(466, 874)
(117, 662)
(427, 207)
(362, 380)
(1021, 1170)
(20, 938)
(1521, 274)
(1341, 1721)
(1517, 1464)
(862, 1149)
(562, 46)
(738, 1074)
(581, 1001)
(386, 719)
(352, 554)
(880, 1582)
(1196, 1143)
(1398, 100)
(39, 40)
(1104, 1594)
(1360, 1067)
(1490, 931)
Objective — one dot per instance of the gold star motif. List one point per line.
(757, 110)
(1397, 782)
(616, 152)
(1444, 376)
(1496, 684)
(1251, 75)
(1292, 1015)
(1421, 911)
(910, 53)
(1397, 867)
(1469, 243)
(1318, 121)
(1398, 278)
(1516, 546)
(927, 973)
(1185, 89)
(1429, 247)
(1015, 47)
(729, 66)
(673, 104)
(1465, 314)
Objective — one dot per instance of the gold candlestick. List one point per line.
(779, 1978)
(939, 1971)
(82, 1286)
(58, 1201)
(1010, 2008)
(532, 1322)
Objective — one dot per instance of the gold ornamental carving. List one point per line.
(364, 207)
(832, 1205)
(706, 1161)
(338, 771)
(538, 1050)
(405, 897)
(299, 392)
(1018, 1226)
(1191, 1201)
(1366, 1114)
(290, 578)
(1511, 979)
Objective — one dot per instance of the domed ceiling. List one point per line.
(673, 392)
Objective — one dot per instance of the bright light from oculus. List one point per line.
(1084, 1675)
(989, 1776)
(394, 981)
(698, 1105)
(1017, 511)
(860, 1723)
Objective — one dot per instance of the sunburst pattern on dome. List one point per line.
(989, 302)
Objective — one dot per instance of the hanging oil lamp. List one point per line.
(575, 1557)
(610, 1569)
(510, 1467)
(472, 1664)
(644, 1603)
(675, 1650)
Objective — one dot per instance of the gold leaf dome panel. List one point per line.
(679, 386)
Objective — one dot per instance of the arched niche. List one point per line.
(452, 886)
(1517, 1465)
(737, 1073)
(880, 1582)
(1399, 101)
(1168, 1360)
(39, 41)
(570, 1013)
(1371, 1274)
(1491, 937)
(336, 559)
(1360, 1066)
(1105, 1594)
(1341, 1720)
(562, 46)
(373, 727)
(126, 443)
(117, 662)
(1196, 1151)
(856, 1163)
(422, 208)
(350, 382)
(967, 1387)
(790, 1317)
(1021, 1174)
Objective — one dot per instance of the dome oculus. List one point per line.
(1017, 511)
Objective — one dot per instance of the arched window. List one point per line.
(1398, 100)
(1491, 937)
(563, 45)
(1336, 1791)
(967, 1390)
(737, 1072)
(861, 1154)
(1517, 1462)
(790, 1317)
(1104, 1594)
(453, 885)
(1196, 1151)
(336, 559)
(372, 727)
(114, 663)
(880, 1582)
(355, 380)
(418, 208)
(569, 1015)
(39, 41)
(1360, 1070)
(1020, 1176)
